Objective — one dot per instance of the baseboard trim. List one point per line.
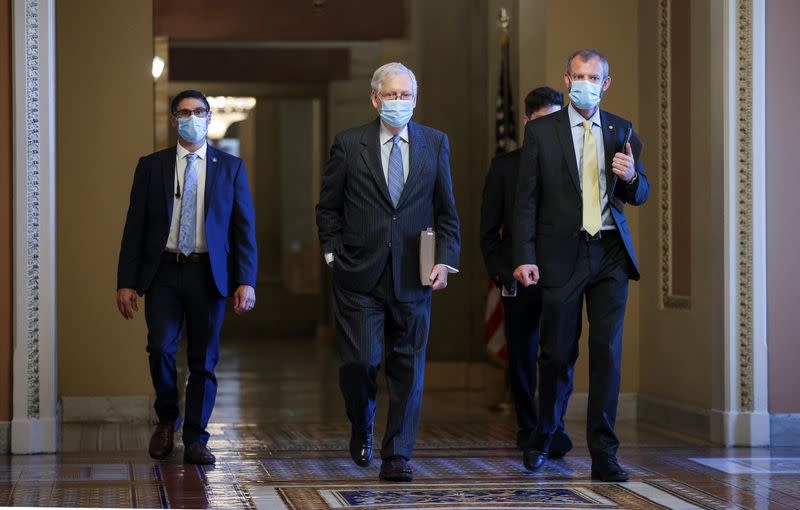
(733, 428)
(29, 436)
(784, 429)
(668, 414)
(5, 437)
(127, 409)
(627, 406)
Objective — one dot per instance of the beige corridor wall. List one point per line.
(6, 202)
(105, 122)
(547, 36)
(677, 345)
(783, 181)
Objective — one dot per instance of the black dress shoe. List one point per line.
(560, 445)
(361, 447)
(396, 469)
(533, 460)
(606, 468)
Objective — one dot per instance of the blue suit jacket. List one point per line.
(230, 221)
(358, 223)
(548, 210)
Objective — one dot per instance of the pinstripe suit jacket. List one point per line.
(358, 223)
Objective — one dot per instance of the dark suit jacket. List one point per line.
(230, 221)
(548, 211)
(497, 217)
(358, 223)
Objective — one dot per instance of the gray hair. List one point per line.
(391, 69)
(587, 55)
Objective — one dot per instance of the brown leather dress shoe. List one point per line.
(163, 440)
(196, 453)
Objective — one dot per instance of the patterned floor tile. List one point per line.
(543, 495)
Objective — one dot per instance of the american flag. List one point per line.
(506, 141)
(506, 118)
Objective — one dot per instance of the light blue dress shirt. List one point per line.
(386, 149)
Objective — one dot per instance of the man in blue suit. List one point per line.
(384, 183)
(578, 170)
(189, 242)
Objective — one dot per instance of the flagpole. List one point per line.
(504, 21)
(495, 321)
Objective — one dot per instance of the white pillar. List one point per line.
(744, 418)
(34, 428)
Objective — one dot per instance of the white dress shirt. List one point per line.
(180, 169)
(576, 123)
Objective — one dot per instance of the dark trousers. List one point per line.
(522, 314)
(184, 292)
(601, 278)
(366, 325)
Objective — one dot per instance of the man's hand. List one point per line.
(127, 302)
(623, 165)
(438, 277)
(244, 299)
(527, 274)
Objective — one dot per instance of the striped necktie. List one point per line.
(395, 174)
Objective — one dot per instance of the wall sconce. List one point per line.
(158, 67)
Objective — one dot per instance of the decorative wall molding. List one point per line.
(741, 414)
(34, 428)
(744, 198)
(668, 299)
(33, 197)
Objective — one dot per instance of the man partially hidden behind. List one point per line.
(189, 242)
(384, 183)
(522, 306)
(573, 240)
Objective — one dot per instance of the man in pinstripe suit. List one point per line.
(384, 183)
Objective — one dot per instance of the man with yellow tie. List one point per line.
(577, 172)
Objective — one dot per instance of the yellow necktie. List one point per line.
(590, 182)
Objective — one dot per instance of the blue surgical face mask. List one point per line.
(397, 112)
(585, 94)
(192, 129)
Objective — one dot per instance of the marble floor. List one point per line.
(280, 436)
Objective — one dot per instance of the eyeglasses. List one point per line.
(405, 96)
(200, 113)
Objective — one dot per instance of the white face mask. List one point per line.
(192, 128)
(397, 112)
(585, 94)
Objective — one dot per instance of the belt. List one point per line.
(584, 235)
(180, 258)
